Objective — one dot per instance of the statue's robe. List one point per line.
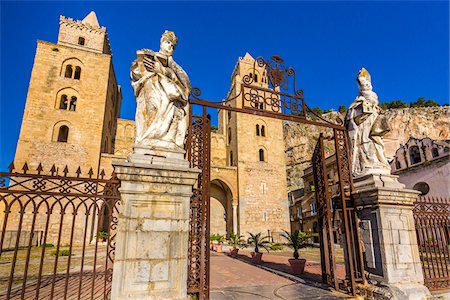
(365, 127)
(162, 111)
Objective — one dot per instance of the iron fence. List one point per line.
(57, 234)
(432, 220)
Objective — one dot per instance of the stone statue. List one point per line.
(161, 88)
(365, 127)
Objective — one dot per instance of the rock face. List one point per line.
(300, 139)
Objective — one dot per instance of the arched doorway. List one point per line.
(221, 211)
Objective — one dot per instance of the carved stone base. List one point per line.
(394, 292)
(377, 180)
(153, 227)
(158, 156)
(389, 237)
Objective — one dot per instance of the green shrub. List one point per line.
(46, 245)
(276, 247)
(61, 252)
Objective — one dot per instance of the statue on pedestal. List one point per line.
(161, 88)
(365, 127)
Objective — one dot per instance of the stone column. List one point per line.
(235, 218)
(389, 237)
(152, 235)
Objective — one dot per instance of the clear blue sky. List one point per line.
(404, 45)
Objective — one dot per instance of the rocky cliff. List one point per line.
(300, 139)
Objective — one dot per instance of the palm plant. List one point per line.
(220, 238)
(297, 240)
(258, 241)
(235, 240)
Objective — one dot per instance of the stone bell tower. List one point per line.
(73, 99)
(255, 146)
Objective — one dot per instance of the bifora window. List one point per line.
(69, 71)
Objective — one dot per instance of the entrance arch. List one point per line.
(221, 210)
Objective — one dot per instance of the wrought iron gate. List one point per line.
(280, 100)
(341, 203)
(57, 236)
(432, 220)
(198, 153)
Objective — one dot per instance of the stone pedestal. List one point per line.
(388, 235)
(152, 235)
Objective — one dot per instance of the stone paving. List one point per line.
(237, 279)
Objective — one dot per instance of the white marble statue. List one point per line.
(161, 88)
(365, 128)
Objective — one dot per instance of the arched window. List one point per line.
(231, 158)
(73, 103)
(263, 130)
(77, 73)
(63, 134)
(261, 155)
(261, 105)
(63, 102)
(257, 130)
(69, 70)
(414, 155)
(81, 41)
(397, 164)
(434, 152)
(256, 77)
(229, 135)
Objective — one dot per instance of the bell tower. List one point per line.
(255, 146)
(73, 99)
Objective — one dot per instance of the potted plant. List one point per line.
(220, 239)
(297, 240)
(258, 242)
(212, 238)
(235, 240)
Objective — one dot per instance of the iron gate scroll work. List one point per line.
(280, 100)
(432, 220)
(57, 233)
(341, 203)
(198, 153)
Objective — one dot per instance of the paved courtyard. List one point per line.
(237, 279)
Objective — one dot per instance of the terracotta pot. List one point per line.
(297, 265)
(211, 246)
(219, 248)
(256, 257)
(234, 252)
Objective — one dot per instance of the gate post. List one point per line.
(388, 234)
(152, 235)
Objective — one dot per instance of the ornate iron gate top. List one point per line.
(281, 99)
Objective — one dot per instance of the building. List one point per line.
(73, 100)
(421, 164)
(72, 118)
(303, 205)
(424, 165)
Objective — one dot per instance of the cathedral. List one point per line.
(72, 117)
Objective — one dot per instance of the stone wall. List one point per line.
(300, 140)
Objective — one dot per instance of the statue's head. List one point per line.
(364, 80)
(168, 42)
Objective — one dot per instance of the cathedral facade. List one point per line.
(72, 118)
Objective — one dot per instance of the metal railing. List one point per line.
(57, 234)
(432, 220)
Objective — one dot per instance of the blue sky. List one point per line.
(403, 44)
